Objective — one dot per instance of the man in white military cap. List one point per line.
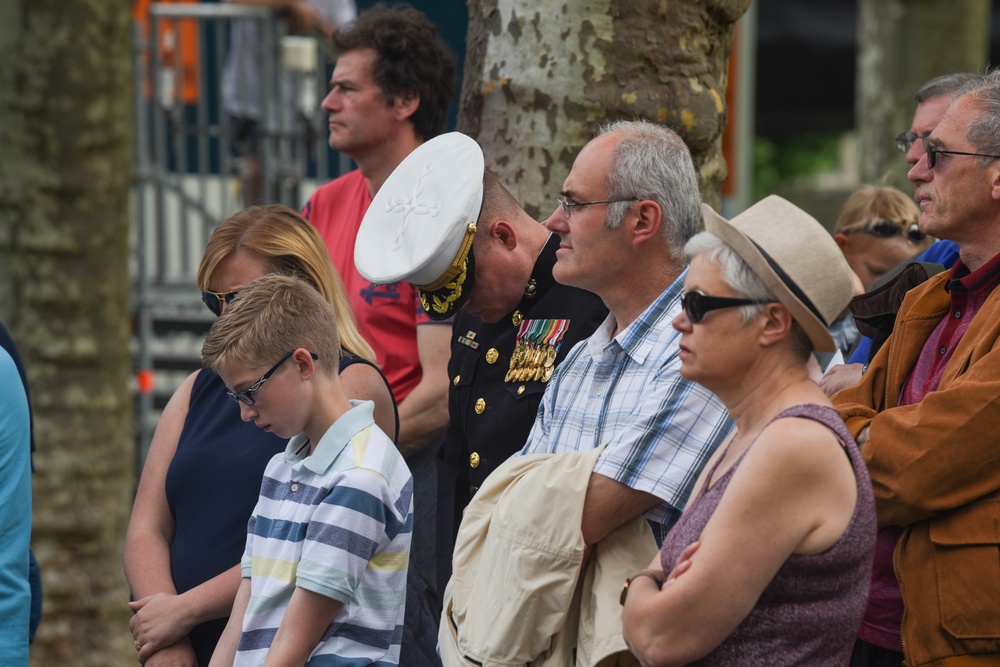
(444, 224)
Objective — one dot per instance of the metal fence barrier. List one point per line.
(194, 169)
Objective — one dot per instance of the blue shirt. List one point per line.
(15, 514)
(627, 392)
(941, 252)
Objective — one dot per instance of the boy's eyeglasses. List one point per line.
(246, 396)
(214, 300)
(934, 151)
(568, 206)
(697, 304)
(887, 229)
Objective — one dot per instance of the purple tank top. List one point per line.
(810, 612)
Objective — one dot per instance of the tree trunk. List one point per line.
(540, 80)
(65, 172)
(901, 45)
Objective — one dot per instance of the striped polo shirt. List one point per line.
(336, 523)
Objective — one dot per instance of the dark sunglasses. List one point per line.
(697, 304)
(887, 229)
(246, 396)
(214, 300)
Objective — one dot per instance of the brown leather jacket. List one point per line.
(935, 468)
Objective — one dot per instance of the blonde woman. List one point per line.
(204, 467)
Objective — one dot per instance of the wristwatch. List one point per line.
(644, 573)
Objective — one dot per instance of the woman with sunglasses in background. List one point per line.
(203, 471)
(770, 561)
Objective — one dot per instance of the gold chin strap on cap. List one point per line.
(454, 276)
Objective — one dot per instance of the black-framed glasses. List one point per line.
(697, 304)
(934, 151)
(887, 229)
(905, 141)
(568, 206)
(214, 300)
(246, 396)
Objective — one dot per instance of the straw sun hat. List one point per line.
(795, 257)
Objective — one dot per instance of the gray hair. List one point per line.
(747, 284)
(650, 161)
(951, 85)
(984, 128)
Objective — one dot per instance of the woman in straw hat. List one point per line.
(769, 564)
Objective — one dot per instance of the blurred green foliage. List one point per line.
(793, 160)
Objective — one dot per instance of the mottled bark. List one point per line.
(901, 45)
(541, 78)
(65, 171)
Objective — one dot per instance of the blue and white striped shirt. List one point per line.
(627, 392)
(336, 523)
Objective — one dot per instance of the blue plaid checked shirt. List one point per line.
(627, 392)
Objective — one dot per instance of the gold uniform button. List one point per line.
(516, 318)
(474, 460)
(480, 406)
(492, 355)
(520, 390)
(455, 380)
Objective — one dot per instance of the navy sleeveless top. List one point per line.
(810, 612)
(212, 486)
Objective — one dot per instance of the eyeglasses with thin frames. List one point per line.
(905, 140)
(934, 151)
(568, 206)
(246, 396)
(697, 304)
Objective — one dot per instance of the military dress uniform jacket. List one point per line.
(935, 469)
(491, 405)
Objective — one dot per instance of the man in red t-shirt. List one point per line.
(385, 100)
(390, 92)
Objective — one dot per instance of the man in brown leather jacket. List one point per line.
(927, 409)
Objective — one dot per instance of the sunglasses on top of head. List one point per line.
(887, 229)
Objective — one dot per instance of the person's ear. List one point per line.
(406, 104)
(504, 232)
(995, 182)
(841, 241)
(777, 324)
(304, 363)
(647, 218)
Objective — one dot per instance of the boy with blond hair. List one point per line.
(324, 569)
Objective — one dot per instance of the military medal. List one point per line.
(536, 349)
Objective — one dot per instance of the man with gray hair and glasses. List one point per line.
(926, 410)
(932, 99)
(630, 434)
(627, 208)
